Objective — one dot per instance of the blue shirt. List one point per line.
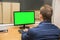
(44, 31)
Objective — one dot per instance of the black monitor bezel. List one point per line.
(23, 24)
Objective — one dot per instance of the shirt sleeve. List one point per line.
(26, 36)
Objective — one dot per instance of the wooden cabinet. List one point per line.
(15, 7)
(6, 12)
(0, 12)
(7, 7)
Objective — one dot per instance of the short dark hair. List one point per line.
(46, 12)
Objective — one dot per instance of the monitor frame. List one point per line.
(22, 24)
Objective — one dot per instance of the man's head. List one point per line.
(46, 12)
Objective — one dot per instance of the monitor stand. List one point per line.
(22, 28)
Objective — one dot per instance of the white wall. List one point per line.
(56, 16)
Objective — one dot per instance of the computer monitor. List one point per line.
(24, 17)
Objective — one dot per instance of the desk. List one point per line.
(12, 34)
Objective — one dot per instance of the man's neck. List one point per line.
(45, 20)
(41, 20)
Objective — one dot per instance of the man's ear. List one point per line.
(40, 16)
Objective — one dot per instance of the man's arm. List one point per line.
(26, 35)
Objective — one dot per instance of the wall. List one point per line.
(48, 2)
(56, 15)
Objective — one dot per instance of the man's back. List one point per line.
(45, 31)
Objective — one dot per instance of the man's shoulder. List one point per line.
(55, 26)
(43, 27)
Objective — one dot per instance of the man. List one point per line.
(45, 30)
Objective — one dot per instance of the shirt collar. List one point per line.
(44, 22)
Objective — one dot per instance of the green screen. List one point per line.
(24, 17)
